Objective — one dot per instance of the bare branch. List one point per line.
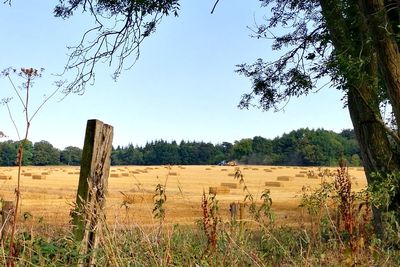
(120, 28)
(215, 5)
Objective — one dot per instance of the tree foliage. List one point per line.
(352, 45)
(120, 28)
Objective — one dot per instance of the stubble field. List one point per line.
(48, 193)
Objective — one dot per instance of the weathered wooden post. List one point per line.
(92, 188)
(7, 217)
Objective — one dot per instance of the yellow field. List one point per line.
(49, 192)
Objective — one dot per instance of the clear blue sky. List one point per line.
(182, 88)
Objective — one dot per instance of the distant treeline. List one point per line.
(301, 147)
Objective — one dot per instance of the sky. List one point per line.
(183, 87)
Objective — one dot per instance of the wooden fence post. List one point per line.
(92, 188)
(7, 217)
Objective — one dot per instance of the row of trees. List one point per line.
(301, 147)
(39, 154)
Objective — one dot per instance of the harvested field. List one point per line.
(130, 197)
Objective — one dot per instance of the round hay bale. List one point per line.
(230, 185)
(284, 178)
(38, 177)
(273, 184)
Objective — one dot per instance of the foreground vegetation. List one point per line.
(335, 229)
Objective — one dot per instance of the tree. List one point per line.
(242, 148)
(71, 155)
(120, 28)
(354, 44)
(8, 153)
(45, 154)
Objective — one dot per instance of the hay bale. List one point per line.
(300, 175)
(267, 170)
(224, 170)
(303, 172)
(125, 174)
(230, 185)
(134, 172)
(45, 173)
(136, 198)
(231, 174)
(5, 177)
(219, 190)
(208, 169)
(172, 173)
(39, 177)
(115, 175)
(284, 178)
(27, 174)
(273, 184)
(255, 169)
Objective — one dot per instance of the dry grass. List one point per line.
(51, 199)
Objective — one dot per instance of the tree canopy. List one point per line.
(303, 147)
(352, 45)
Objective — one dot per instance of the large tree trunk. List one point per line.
(363, 101)
(387, 50)
(376, 151)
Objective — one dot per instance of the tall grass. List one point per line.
(334, 230)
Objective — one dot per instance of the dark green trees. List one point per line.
(45, 154)
(71, 155)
